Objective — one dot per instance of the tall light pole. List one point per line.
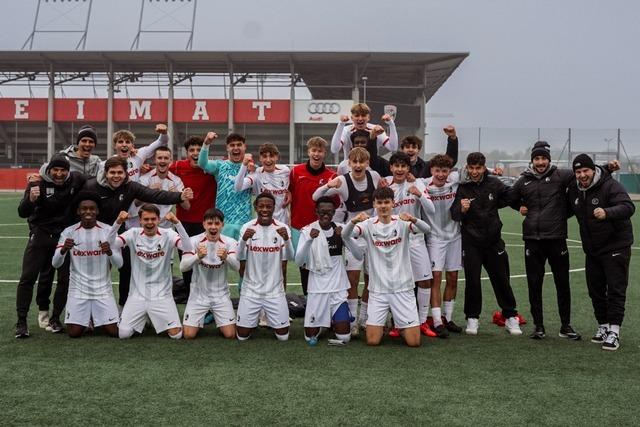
(364, 84)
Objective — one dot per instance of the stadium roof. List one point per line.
(392, 77)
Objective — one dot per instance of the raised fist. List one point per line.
(248, 233)
(210, 137)
(222, 253)
(187, 194)
(314, 233)
(122, 217)
(450, 131)
(171, 217)
(34, 193)
(202, 250)
(161, 128)
(282, 231)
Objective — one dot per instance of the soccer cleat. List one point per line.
(472, 326)
(452, 327)
(54, 325)
(566, 331)
(441, 331)
(512, 325)
(600, 335)
(394, 333)
(538, 333)
(355, 331)
(426, 330)
(611, 342)
(208, 318)
(22, 331)
(43, 319)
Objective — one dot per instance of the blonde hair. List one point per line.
(124, 134)
(360, 109)
(358, 154)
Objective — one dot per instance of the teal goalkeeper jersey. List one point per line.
(236, 205)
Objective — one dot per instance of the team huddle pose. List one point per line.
(404, 223)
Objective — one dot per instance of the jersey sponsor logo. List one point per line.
(439, 197)
(150, 255)
(77, 252)
(264, 249)
(133, 172)
(275, 192)
(211, 266)
(386, 243)
(404, 202)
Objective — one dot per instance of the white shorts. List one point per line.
(402, 306)
(445, 256)
(104, 311)
(321, 308)
(276, 309)
(351, 262)
(221, 306)
(162, 313)
(420, 263)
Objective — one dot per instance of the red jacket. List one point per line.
(303, 182)
(204, 188)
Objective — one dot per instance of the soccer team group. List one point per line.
(404, 223)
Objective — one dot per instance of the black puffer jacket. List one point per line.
(481, 224)
(615, 231)
(545, 198)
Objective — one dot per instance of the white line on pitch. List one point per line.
(17, 223)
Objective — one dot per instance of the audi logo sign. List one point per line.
(321, 110)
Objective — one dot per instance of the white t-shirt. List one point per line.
(443, 228)
(90, 270)
(275, 183)
(264, 253)
(209, 279)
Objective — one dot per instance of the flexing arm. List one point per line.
(243, 181)
(209, 166)
(336, 140)
(392, 142)
(148, 151)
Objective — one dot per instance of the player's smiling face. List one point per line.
(384, 207)
(115, 176)
(585, 176)
(124, 147)
(440, 175)
(163, 160)
(235, 150)
(540, 164)
(316, 156)
(149, 222)
(360, 120)
(213, 228)
(412, 151)
(192, 153)
(476, 172)
(399, 171)
(88, 212)
(268, 161)
(85, 147)
(264, 209)
(58, 175)
(325, 212)
(358, 168)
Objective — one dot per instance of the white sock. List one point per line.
(242, 338)
(424, 295)
(362, 319)
(353, 308)
(283, 337)
(615, 328)
(436, 313)
(448, 309)
(344, 337)
(176, 336)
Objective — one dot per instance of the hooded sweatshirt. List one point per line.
(88, 167)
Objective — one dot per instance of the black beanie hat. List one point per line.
(583, 161)
(58, 161)
(87, 131)
(541, 148)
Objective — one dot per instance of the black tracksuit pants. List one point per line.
(607, 281)
(36, 264)
(537, 253)
(495, 260)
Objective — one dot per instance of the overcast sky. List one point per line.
(536, 63)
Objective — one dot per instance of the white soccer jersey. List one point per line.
(443, 228)
(90, 271)
(387, 252)
(406, 202)
(342, 138)
(275, 183)
(209, 279)
(170, 183)
(135, 162)
(151, 256)
(264, 253)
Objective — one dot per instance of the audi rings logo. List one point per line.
(323, 108)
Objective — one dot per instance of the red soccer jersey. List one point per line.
(204, 190)
(303, 181)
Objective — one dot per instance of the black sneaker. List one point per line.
(566, 331)
(538, 333)
(600, 335)
(452, 327)
(54, 325)
(22, 331)
(441, 331)
(612, 342)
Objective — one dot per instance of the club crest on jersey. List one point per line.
(490, 196)
(321, 182)
(395, 233)
(275, 240)
(159, 247)
(595, 201)
(547, 179)
(577, 202)
(121, 197)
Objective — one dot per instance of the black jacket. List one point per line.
(54, 210)
(481, 224)
(112, 201)
(545, 198)
(615, 231)
(422, 169)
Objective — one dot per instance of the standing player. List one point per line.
(320, 251)
(391, 282)
(210, 289)
(80, 156)
(236, 205)
(603, 210)
(360, 116)
(265, 243)
(412, 146)
(90, 292)
(151, 253)
(124, 145)
(476, 207)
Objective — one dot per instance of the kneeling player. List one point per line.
(90, 292)
(265, 243)
(320, 251)
(387, 239)
(209, 286)
(150, 292)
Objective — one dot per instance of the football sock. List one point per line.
(424, 295)
(353, 308)
(615, 328)
(362, 319)
(344, 337)
(283, 337)
(242, 338)
(436, 314)
(448, 309)
(176, 336)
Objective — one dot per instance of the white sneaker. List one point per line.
(512, 325)
(355, 331)
(472, 326)
(43, 319)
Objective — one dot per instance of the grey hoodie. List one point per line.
(88, 167)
